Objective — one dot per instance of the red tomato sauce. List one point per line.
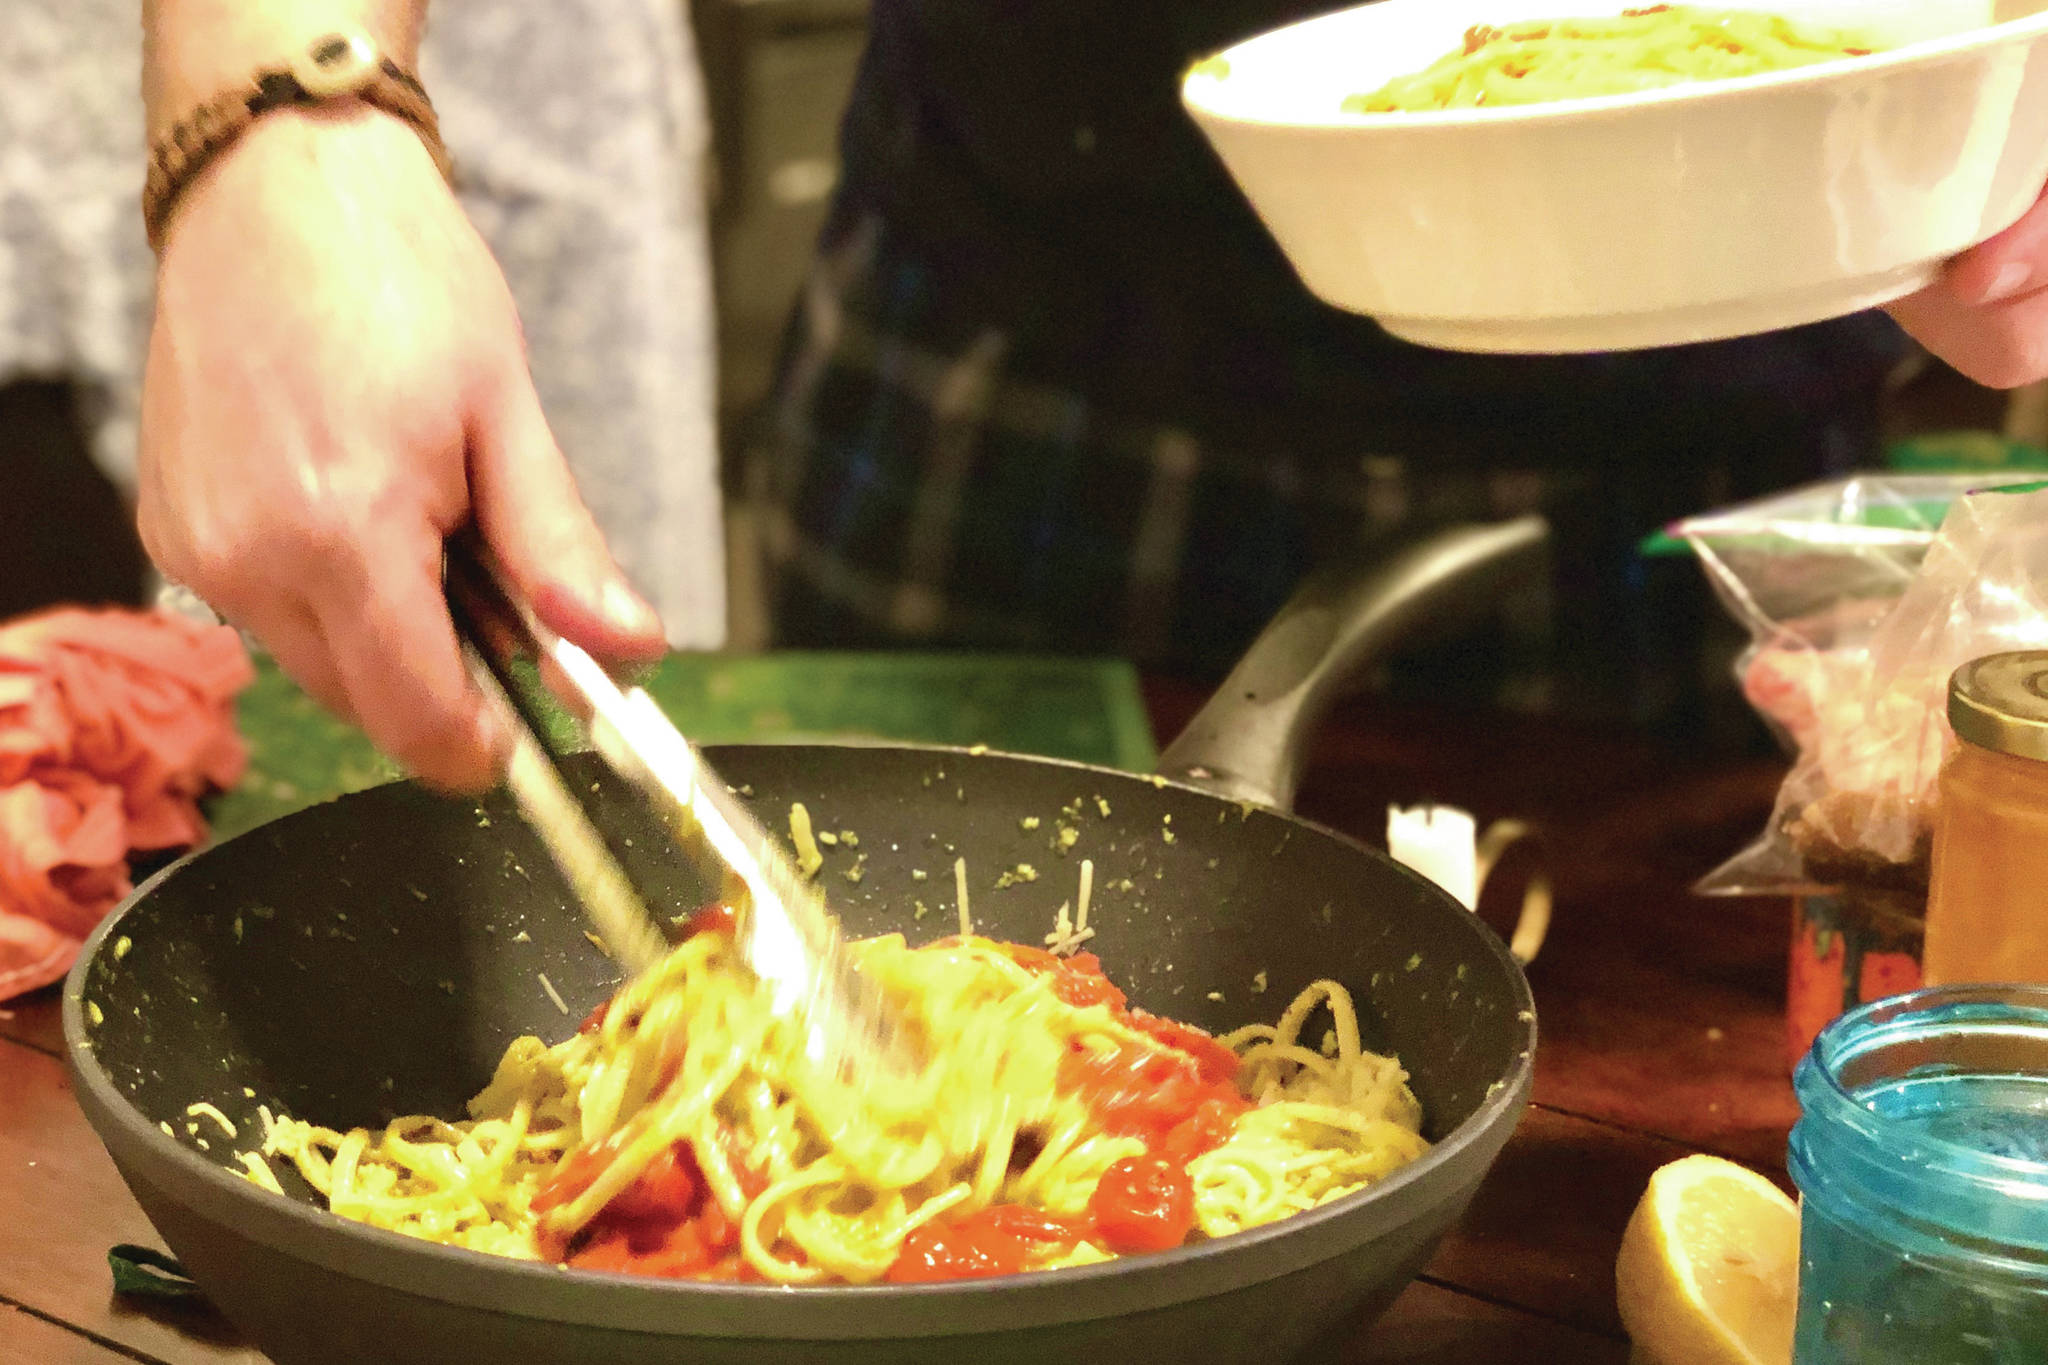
(1175, 1092)
(1143, 1203)
(1179, 1098)
(712, 919)
(996, 1241)
(664, 1224)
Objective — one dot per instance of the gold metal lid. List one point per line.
(2000, 702)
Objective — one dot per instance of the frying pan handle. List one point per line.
(1249, 740)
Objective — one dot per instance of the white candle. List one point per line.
(1440, 842)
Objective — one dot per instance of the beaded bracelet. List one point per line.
(339, 66)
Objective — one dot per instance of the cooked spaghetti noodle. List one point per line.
(1641, 49)
(682, 1131)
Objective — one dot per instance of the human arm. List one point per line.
(335, 383)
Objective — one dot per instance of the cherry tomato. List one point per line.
(1204, 1130)
(1139, 1091)
(1077, 980)
(957, 1251)
(667, 1191)
(716, 919)
(1217, 1062)
(677, 1253)
(606, 1251)
(1029, 958)
(1143, 1203)
(1080, 983)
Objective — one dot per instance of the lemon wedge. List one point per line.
(1709, 1268)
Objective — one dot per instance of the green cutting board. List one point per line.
(1088, 710)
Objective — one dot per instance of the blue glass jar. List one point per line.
(1921, 1156)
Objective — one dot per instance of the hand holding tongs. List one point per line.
(785, 933)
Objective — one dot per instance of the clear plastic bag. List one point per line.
(1861, 597)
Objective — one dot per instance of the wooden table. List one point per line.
(1661, 1035)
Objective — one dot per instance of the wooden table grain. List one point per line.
(1661, 1034)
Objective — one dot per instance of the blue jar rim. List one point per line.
(1823, 1096)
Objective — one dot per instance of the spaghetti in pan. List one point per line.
(682, 1132)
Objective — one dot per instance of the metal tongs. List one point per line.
(786, 934)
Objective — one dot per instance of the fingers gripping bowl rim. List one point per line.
(1486, 1037)
(1685, 213)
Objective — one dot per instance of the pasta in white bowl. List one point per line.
(1663, 211)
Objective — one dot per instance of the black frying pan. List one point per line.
(374, 956)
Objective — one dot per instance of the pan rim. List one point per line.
(543, 1291)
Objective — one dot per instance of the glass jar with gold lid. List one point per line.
(1987, 905)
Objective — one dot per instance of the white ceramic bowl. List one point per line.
(1685, 214)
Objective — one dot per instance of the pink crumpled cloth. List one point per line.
(113, 723)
